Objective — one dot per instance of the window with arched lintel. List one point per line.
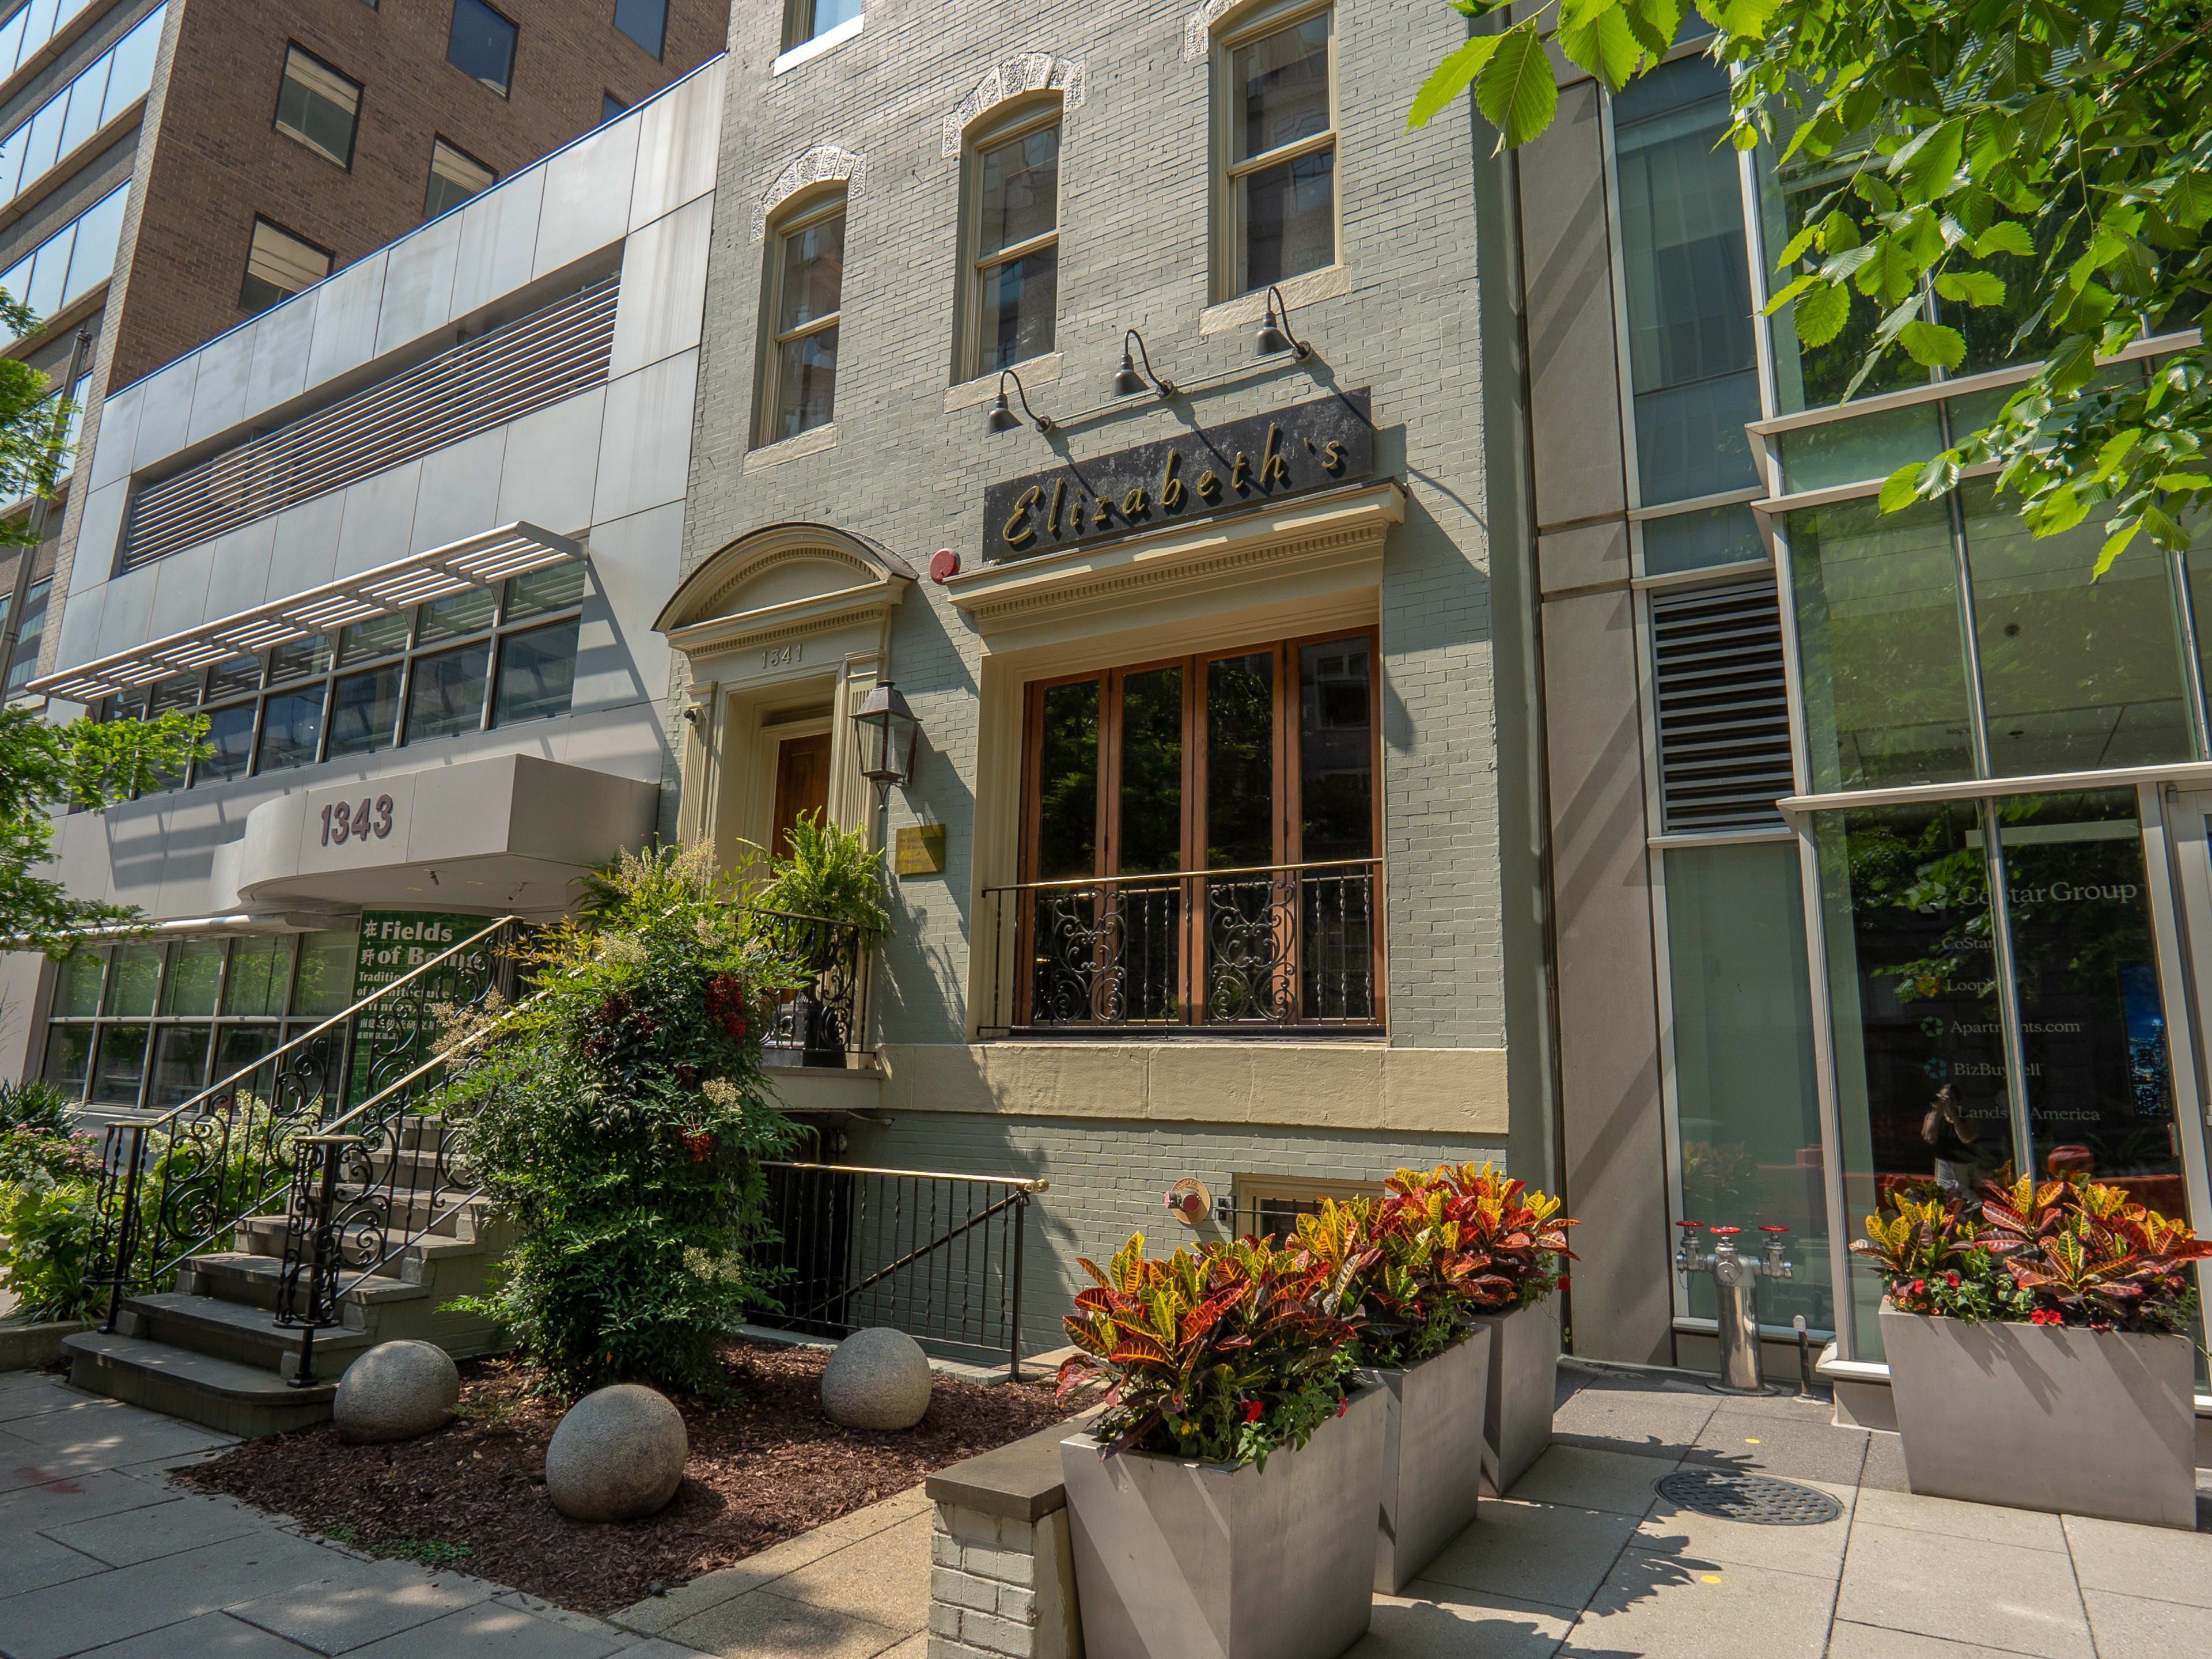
(1010, 271)
(1275, 136)
(803, 305)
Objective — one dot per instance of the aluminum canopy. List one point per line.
(479, 560)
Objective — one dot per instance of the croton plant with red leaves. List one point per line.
(2062, 1252)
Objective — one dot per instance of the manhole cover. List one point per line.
(1759, 1500)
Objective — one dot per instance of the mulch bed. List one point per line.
(472, 1496)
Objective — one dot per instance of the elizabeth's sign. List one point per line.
(1286, 452)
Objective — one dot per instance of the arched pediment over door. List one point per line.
(785, 631)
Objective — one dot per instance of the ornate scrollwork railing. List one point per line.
(173, 1184)
(820, 1024)
(1269, 947)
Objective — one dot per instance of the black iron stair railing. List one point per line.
(936, 1256)
(173, 1183)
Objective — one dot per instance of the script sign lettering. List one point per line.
(1194, 475)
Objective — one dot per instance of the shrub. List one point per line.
(2066, 1252)
(619, 1122)
(48, 1178)
(1224, 1354)
(50, 1226)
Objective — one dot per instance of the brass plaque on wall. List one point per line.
(920, 850)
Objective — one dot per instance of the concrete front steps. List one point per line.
(211, 1351)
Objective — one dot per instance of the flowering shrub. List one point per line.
(1224, 1354)
(620, 1124)
(2065, 1252)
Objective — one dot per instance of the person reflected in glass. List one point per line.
(1952, 1135)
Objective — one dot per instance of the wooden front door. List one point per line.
(802, 784)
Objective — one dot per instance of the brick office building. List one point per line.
(173, 168)
(1239, 609)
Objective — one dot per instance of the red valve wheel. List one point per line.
(1689, 1227)
(1725, 1229)
(1771, 1228)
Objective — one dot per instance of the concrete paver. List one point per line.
(1615, 1482)
(1963, 1589)
(1584, 1560)
(1683, 1606)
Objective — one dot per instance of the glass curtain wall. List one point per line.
(1936, 1078)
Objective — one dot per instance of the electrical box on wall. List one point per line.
(920, 850)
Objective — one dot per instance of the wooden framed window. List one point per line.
(809, 19)
(1264, 1205)
(807, 282)
(1200, 838)
(1275, 97)
(1013, 278)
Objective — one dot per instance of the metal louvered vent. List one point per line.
(532, 363)
(1723, 706)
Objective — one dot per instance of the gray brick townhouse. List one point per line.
(1402, 661)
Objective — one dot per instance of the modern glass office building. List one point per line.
(1922, 803)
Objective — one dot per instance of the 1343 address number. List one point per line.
(341, 824)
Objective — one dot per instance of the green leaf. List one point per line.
(1898, 490)
(1654, 23)
(1595, 34)
(1797, 247)
(2185, 481)
(1973, 287)
(2006, 236)
(1933, 345)
(1450, 78)
(2041, 122)
(1789, 293)
(1931, 162)
(1821, 314)
(1514, 90)
(2115, 544)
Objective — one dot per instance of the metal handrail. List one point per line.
(1024, 1182)
(1165, 876)
(338, 1018)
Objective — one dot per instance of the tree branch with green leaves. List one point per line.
(2050, 164)
(83, 766)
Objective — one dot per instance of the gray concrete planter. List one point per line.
(1432, 1444)
(1524, 1380)
(2040, 1417)
(1184, 1560)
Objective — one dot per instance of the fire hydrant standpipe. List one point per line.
(1736, 1285)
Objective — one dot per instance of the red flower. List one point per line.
(1564, 1281)
(1919, 1286)
(698, 1143)
(1251, 1409)
(1343, 1406)
(2046, 1316)
(1954, 1278)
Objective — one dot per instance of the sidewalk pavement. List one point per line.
(1586, 1560)
(100, 1553)
(1583, 1560)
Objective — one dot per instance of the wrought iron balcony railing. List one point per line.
(1290, 949)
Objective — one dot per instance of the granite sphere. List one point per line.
(618, 1456)
(877, 1378)
(395, 1391)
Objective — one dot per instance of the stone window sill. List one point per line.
(806, 51)
(812, 442)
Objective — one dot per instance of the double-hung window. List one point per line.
(807, 281)
(318, 107)
(1016, 276)
(809, 19)
(1278, 101)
